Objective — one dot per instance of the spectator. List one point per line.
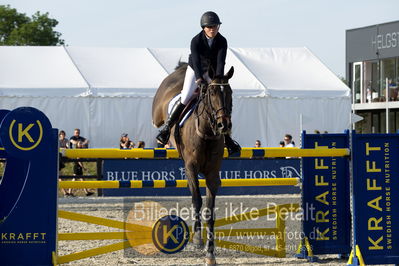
(125, 142)
(393, 90)
(258, 144)
(76, 138)
(288, 143)
(61, 165)
(281, 145)
(316, 131)
(62, 140)
(78, 168)
(141, 144)
(63, 144)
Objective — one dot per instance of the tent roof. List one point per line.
(80, 71)
(291, 72)
(36, 71)
(118, 71)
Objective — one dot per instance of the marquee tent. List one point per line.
(109, 91)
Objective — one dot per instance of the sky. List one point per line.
(319, 25)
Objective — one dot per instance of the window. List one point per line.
(388, 71)
(375, 77)
(371, 85)
(357, 82)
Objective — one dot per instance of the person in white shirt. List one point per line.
(288, 141)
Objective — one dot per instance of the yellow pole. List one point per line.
(183, 183)
(172, 153)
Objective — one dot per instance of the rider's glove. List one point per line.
(201, 83)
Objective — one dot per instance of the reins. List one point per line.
(218, 84)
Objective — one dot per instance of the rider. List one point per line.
(208, 49)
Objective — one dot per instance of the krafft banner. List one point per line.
(326, 200)
(376, 196)
(173, 169)
(28, 189)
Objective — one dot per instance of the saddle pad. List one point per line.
(172, 102)
(188, 113)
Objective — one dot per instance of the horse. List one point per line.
(200, 143)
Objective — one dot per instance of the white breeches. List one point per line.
(189, 86)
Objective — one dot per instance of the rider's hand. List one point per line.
(201, 83)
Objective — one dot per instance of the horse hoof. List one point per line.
(210, 261)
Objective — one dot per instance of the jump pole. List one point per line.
(179, 183)
(172, 153)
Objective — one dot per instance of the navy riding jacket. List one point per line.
(202, 56)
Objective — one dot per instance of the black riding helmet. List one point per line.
(210, 19)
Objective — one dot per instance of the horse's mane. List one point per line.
(181, 64)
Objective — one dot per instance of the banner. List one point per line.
(28, 189)
(325, 194)
(173, 169)
(376, 197)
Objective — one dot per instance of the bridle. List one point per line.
(212, 113)
(215, 112)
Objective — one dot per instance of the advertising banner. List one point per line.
(326, 201)
(28, 188)
(376, 197)
(173, 169)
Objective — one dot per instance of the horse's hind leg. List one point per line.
(193, 184)
(213, 184)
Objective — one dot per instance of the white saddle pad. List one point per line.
(172, 103)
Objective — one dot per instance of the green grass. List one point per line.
(91, 168)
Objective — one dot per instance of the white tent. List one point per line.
(109, 91)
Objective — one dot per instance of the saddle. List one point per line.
(187, 112)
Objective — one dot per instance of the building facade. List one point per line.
(372, 72)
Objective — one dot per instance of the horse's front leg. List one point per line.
(193, 185)
(213, 183)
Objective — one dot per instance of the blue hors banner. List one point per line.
(173, 169)
(376, 204)
(326, 201)
(28, 189)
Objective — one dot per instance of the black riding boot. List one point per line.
(231, 145)
(164, 133)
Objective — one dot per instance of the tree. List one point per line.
(343, 80)
(19, 29)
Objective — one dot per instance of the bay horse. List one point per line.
(200, 143)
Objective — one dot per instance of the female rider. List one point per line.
(208, 49)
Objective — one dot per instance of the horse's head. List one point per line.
(218, 101)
